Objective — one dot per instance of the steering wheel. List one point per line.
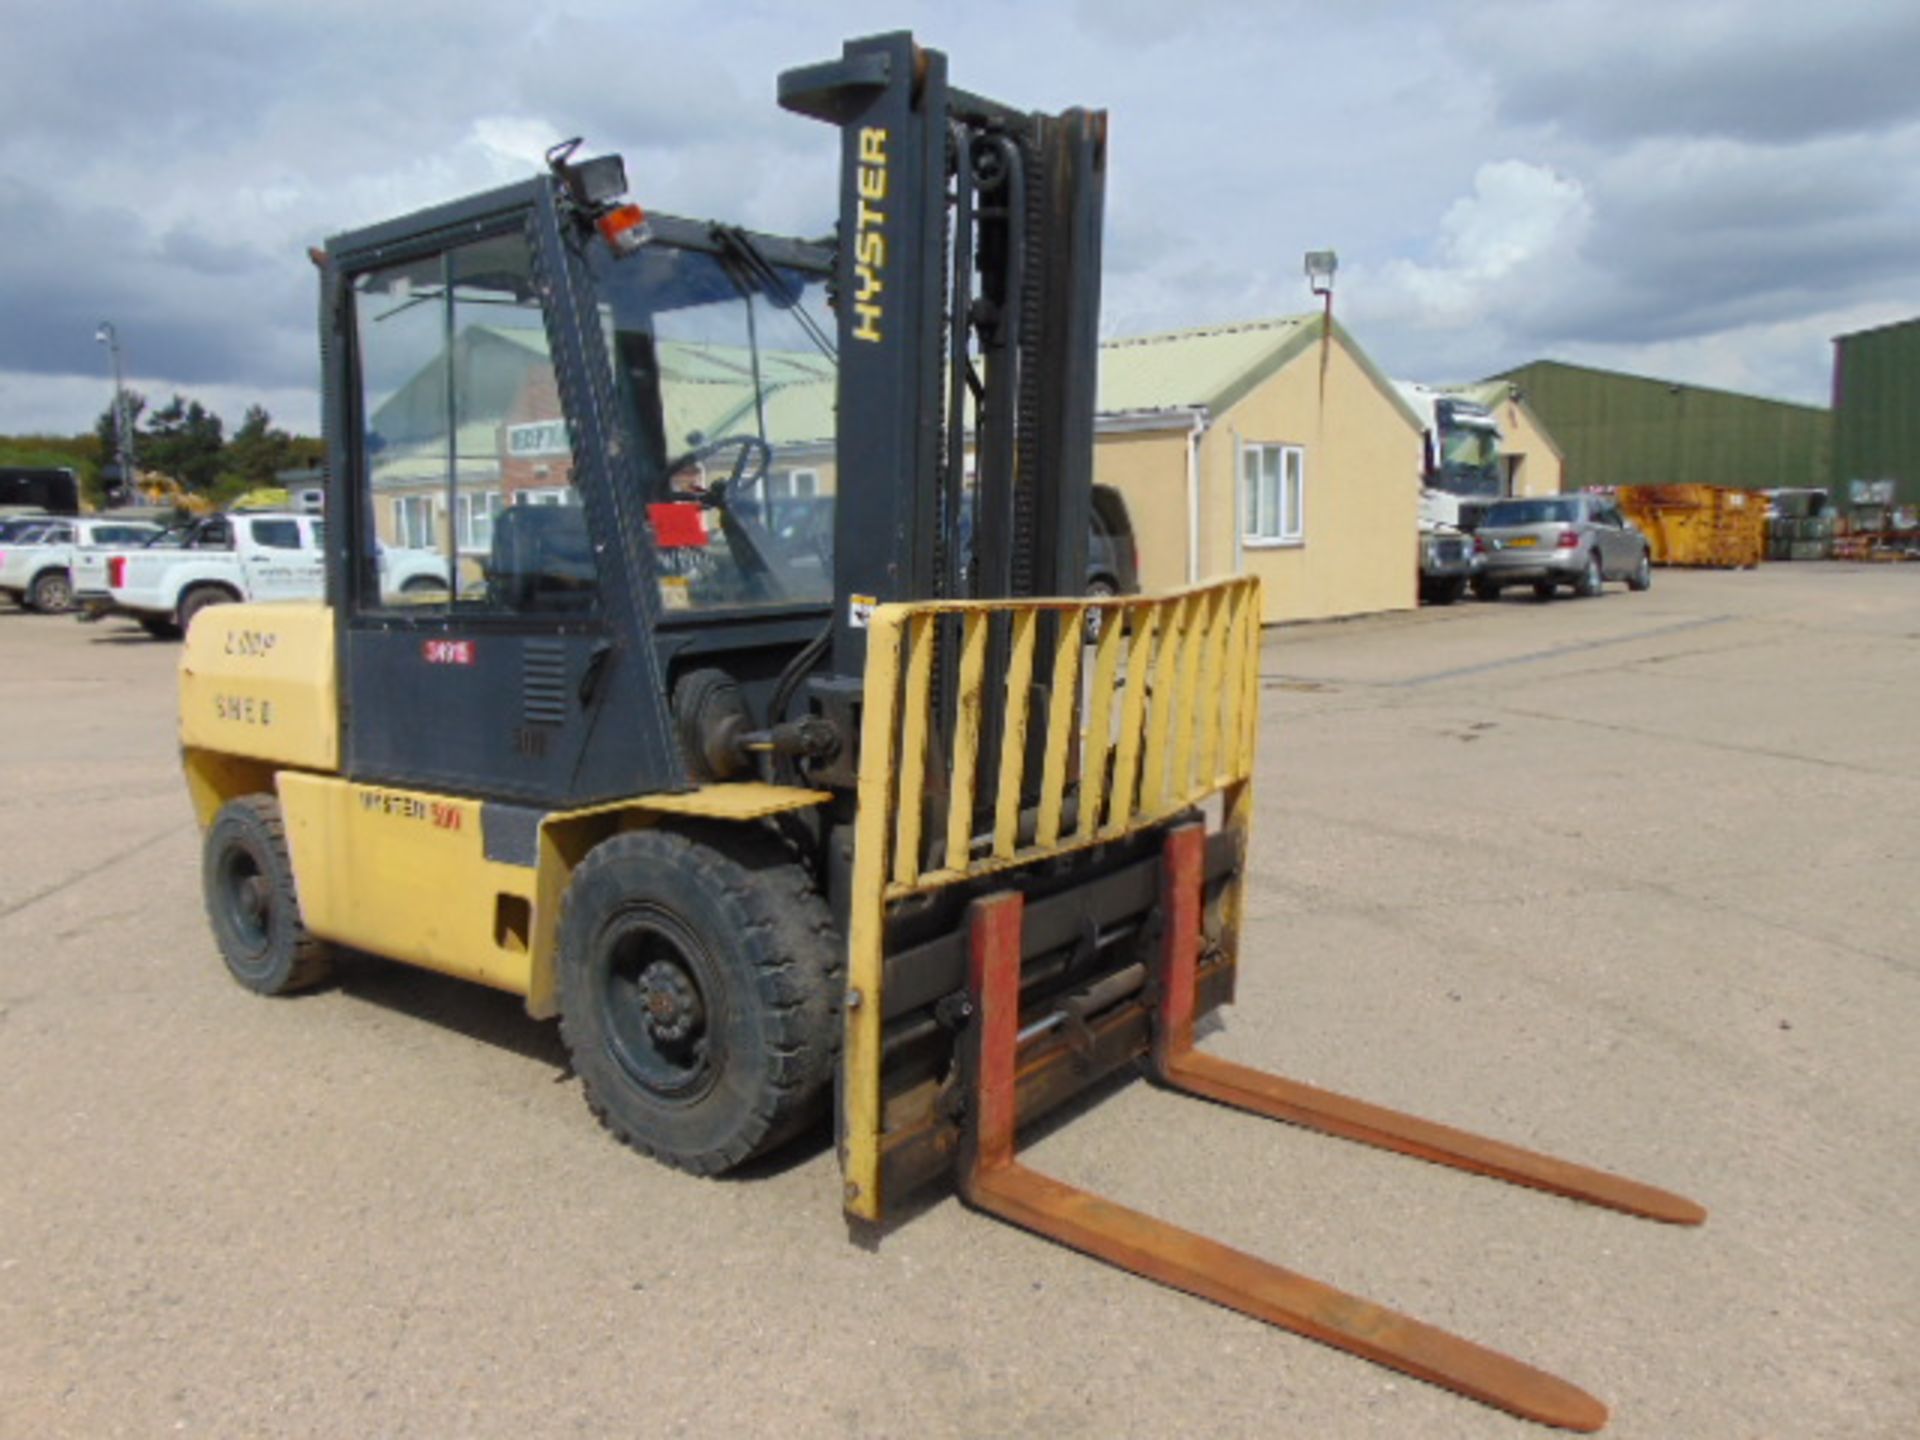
(750, 466)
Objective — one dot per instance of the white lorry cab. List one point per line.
(1460, 474)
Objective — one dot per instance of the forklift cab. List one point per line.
(529, 403)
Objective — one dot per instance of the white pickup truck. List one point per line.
(257, 555)
(36, 564)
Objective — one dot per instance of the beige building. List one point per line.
(1274, 448)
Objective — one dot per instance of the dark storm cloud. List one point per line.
(1772, 73)
(1702, 236)
(221, 312)
(1501, 180)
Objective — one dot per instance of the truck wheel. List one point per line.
(194, 601)
(699, 988)
(1485, 590)
(248, 882)
(52, 592)
(1447, 591)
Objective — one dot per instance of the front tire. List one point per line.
(247, 879)
(699, 988)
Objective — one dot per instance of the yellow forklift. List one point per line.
(761, 731)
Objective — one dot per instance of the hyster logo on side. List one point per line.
(870, 239)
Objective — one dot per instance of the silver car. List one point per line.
(1581, 541)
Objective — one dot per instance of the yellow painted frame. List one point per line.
(1159, 663)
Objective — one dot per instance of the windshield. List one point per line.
(724, 378)
(1532, 512)
(1469, 460)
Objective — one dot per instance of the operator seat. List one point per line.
(542, 561)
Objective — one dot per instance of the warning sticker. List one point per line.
(860, 610)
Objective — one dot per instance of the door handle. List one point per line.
(595, 669)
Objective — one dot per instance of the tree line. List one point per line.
(183, 441)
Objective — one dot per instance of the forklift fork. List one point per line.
(991, 1179)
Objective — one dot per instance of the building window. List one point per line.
(793, 484)
(476, 511)
(413, 522)
(1273, 494)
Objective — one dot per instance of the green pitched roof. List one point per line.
(1214, 366)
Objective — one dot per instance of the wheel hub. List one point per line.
(672, 1004)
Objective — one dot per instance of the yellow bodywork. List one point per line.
(1167, 721)
(397, 872)
(403, 873)
(257, 682)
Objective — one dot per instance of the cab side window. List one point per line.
(277, 534)
(468, 502)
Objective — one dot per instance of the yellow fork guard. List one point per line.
(992, 1180)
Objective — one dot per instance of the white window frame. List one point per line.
(802, 484)
(416, 506)
(478, 505)
(1272, 489)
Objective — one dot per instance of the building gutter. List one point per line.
(1199, 420)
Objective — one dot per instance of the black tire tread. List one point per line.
(312, 962)
(797, 963)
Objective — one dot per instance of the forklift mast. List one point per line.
(968, 295)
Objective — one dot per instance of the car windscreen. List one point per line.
(1532, 512)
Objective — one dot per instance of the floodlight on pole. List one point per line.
(122, 419)
(1320, 267)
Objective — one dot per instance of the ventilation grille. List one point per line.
(543, 682)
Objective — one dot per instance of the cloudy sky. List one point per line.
(1706, 191)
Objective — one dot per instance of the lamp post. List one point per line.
(122, 421)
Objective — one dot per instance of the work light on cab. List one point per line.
(596, 187)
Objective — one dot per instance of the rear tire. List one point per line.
(51, 593)
(1642, 576)
(699, 982)
(194, 601)
(247, 880)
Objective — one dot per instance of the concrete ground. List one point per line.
(1631, 880)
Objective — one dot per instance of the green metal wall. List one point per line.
(1628, 430)
(1876, 419)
